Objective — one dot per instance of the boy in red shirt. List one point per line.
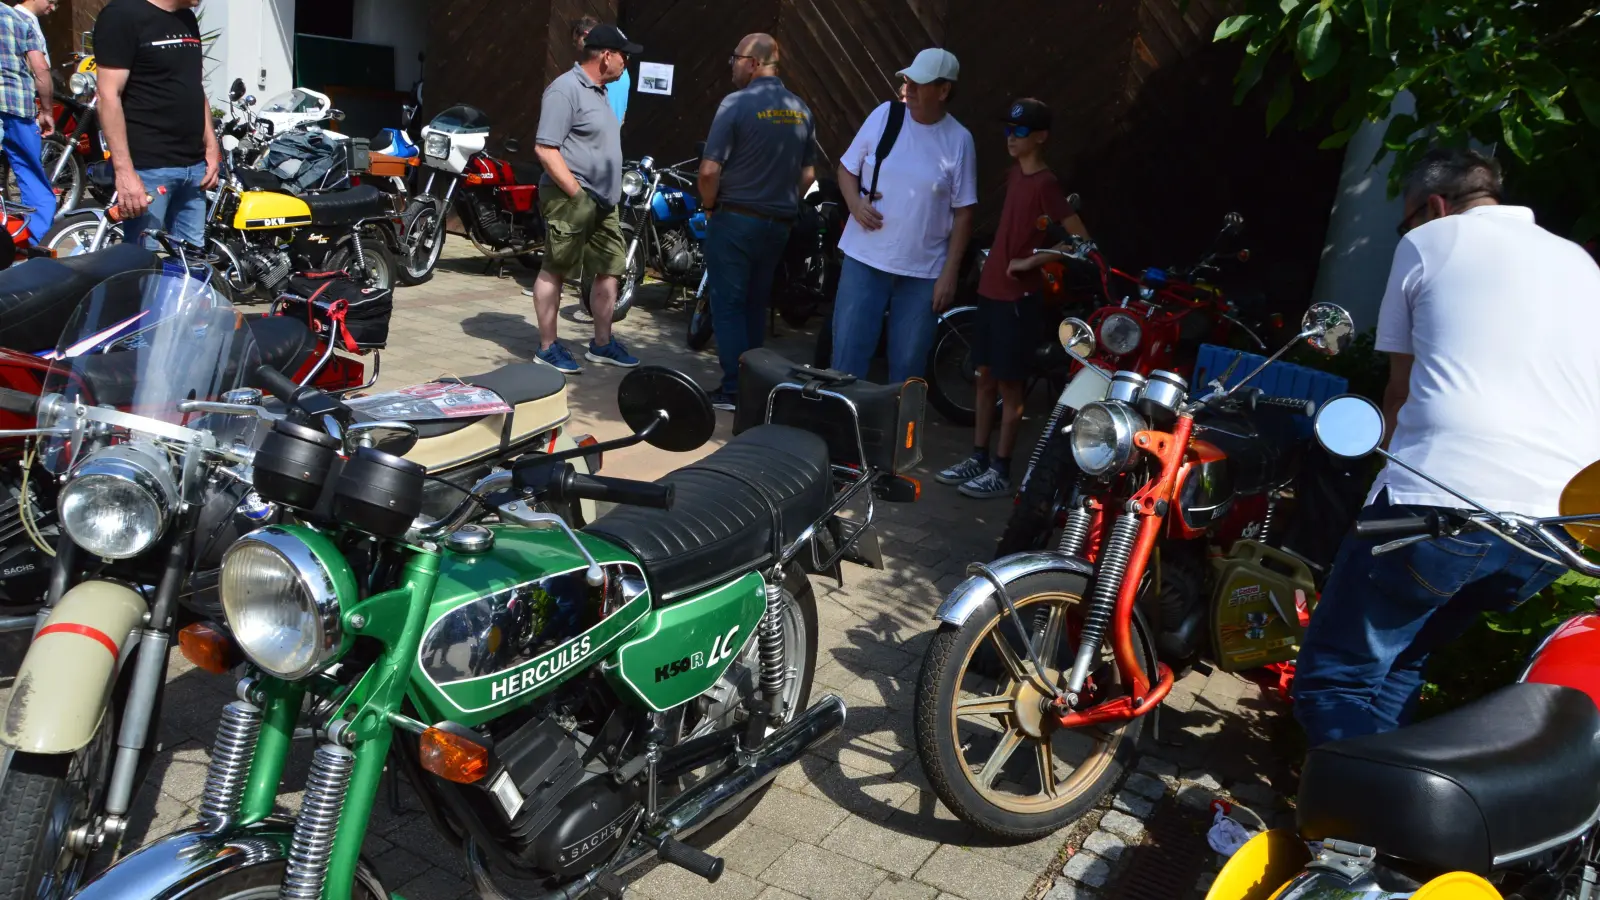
(1010, 279)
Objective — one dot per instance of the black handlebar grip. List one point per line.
(690, 858)
(618, 490)
(22, 404)
(1303, 407)
(1400, 527)
(277, 384)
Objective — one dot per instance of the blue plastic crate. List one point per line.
(1281, 379)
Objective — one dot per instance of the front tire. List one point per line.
(627, 284)
(700, 328)
(70, 186)
(425, 226)
(44, 799)
(1016, 790)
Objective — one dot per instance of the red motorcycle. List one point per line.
(1033, 692)
(496, 200)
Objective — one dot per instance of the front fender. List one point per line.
(949, 314)
(1260, 868)
(977, 590)
(61, 688)
(185, 862)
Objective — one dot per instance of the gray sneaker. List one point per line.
(989, 484)
(962, 472)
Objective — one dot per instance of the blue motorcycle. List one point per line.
(664, 229)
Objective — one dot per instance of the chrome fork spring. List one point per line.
(1265, 535)
(1075, 533)
(773, 671)
(1102, 603)
(231, 755)
(318, 822)
(1039, 445)
(360, 254)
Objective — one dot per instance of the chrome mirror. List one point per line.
(1349, 426)
(1077, 338)
(1327, 327)
(395, 438)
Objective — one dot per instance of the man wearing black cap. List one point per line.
(580, 146)
(1007, 293)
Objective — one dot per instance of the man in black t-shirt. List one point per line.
(155, 115)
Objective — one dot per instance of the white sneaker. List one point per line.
(527, 292)
(962, 472)
(989, 484)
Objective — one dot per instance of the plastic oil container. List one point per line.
(1263, 597)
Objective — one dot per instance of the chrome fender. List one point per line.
(186, 862)
(67, 674)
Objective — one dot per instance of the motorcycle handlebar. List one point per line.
(1305, 408)
(308, 400)
(577, 486)
(1402, 527)
(22, 404)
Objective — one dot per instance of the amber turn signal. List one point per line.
(208, 647)
(453, 757)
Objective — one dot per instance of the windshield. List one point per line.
(460, 120)
(140, 344)
(295, 101)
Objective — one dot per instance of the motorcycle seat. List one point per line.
(721, 521)
(281, 342)
(537, 395)
(1497, 780)
(260, 180)
(348, 207)
(39, 296)
(526, 172)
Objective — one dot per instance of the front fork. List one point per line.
(346, 769)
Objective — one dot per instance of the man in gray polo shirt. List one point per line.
(580, 146)
(755, 167)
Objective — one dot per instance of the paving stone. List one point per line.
(1066, 889)
(1122, 825)
(1155, 765)
(796, 815)
(432, 883)
(1197, 797)
(673, 883)
(1147, 786)
(777, 893)
(1133, 804)
(752, 848)
(1086, 868)
(823, 874)
(960, 871)
(1105, 845)
(896, 888)
(895, 847)
(1260, 797)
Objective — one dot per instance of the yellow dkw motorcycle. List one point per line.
(1496, 800)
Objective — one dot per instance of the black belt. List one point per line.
(753, 213)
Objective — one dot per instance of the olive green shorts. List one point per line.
(579, 239)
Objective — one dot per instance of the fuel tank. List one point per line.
(1570, 656)
(265, 209)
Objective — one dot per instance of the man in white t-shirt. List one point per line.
(1494, 389)
(32, 10)
(903, 245)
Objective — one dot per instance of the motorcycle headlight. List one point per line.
(633, 184)
(115, 502)
(1102, 437)
(436, 145)
(280, 591)
(82, 84)
(1120, 334)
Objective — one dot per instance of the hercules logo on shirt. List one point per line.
(783, 116)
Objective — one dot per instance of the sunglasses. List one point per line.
(1020, 131)
(1405, 225)
(734, 59)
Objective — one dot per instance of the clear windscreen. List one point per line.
(142, 343)
(294, 101)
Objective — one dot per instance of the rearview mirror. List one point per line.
(1327, 327)
(336, 115)
(407, 114)
(1349, 426)
(237, 90)
(1077, 338)
(667, 408)
(1076, 202)
(512, 145)
(395, 438)
(250, 100)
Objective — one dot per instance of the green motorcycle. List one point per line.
(566, 703)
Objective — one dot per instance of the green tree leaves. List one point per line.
(1315, 47)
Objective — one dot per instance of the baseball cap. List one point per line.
(1029, 113)
(931, 65)
(610, 37)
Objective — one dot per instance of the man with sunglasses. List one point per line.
(579, 144)
(1490, 324)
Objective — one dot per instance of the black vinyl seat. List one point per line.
(1482, 785)
(281, 342)
(516, 384)
(39, 296)
(259, 180)
(347, 207)
(721, 520)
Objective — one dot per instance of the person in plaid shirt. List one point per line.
(25, 106)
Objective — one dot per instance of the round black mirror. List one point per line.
(512, 145)
(1075, 201)
(1349, 426)
(236, 92)
(678, 409)
(1327, 327)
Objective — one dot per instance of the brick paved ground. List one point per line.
(854, 820)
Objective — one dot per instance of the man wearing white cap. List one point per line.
(910, 180)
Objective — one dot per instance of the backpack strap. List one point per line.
(891, 131)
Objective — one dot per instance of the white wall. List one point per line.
(256, 44)
(401, 24)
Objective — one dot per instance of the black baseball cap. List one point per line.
(1029, 113)
(610, 37)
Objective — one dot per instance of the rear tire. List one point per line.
(381, 265)
(700, 327)
(952, 377)
(70, 234)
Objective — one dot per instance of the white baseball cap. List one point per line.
(931, 65)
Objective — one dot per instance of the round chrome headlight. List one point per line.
(1102, 437)
(633, 184)
(281, 603)
(81, 84)
(115, 502)
(1120, 334)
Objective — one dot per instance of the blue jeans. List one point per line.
(858, 308)
(23, 146)
(1361, 667)
(742, 252)
(179, 211)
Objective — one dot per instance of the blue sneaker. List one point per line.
(557, 357)
(612, 354)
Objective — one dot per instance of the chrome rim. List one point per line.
(427, 242)
(76, 240)
(953, 369)
(1010, 750)
(74, 809)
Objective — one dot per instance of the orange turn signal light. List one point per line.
(474, 179)
(453, 757)
(590, 440)
(208, 647)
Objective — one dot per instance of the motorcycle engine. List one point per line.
(24, 568)
(680, 254)
(493, 220)
(266, 264)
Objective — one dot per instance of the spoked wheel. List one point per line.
(992, 751)
(627, 283)
(380, 269)
(424, 242)
(73, 234)
(700, 329)
(46, 799)
(952, 374)
(68, 186)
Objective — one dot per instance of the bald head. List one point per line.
(763, 48)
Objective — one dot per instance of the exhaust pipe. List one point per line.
(687, 812)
